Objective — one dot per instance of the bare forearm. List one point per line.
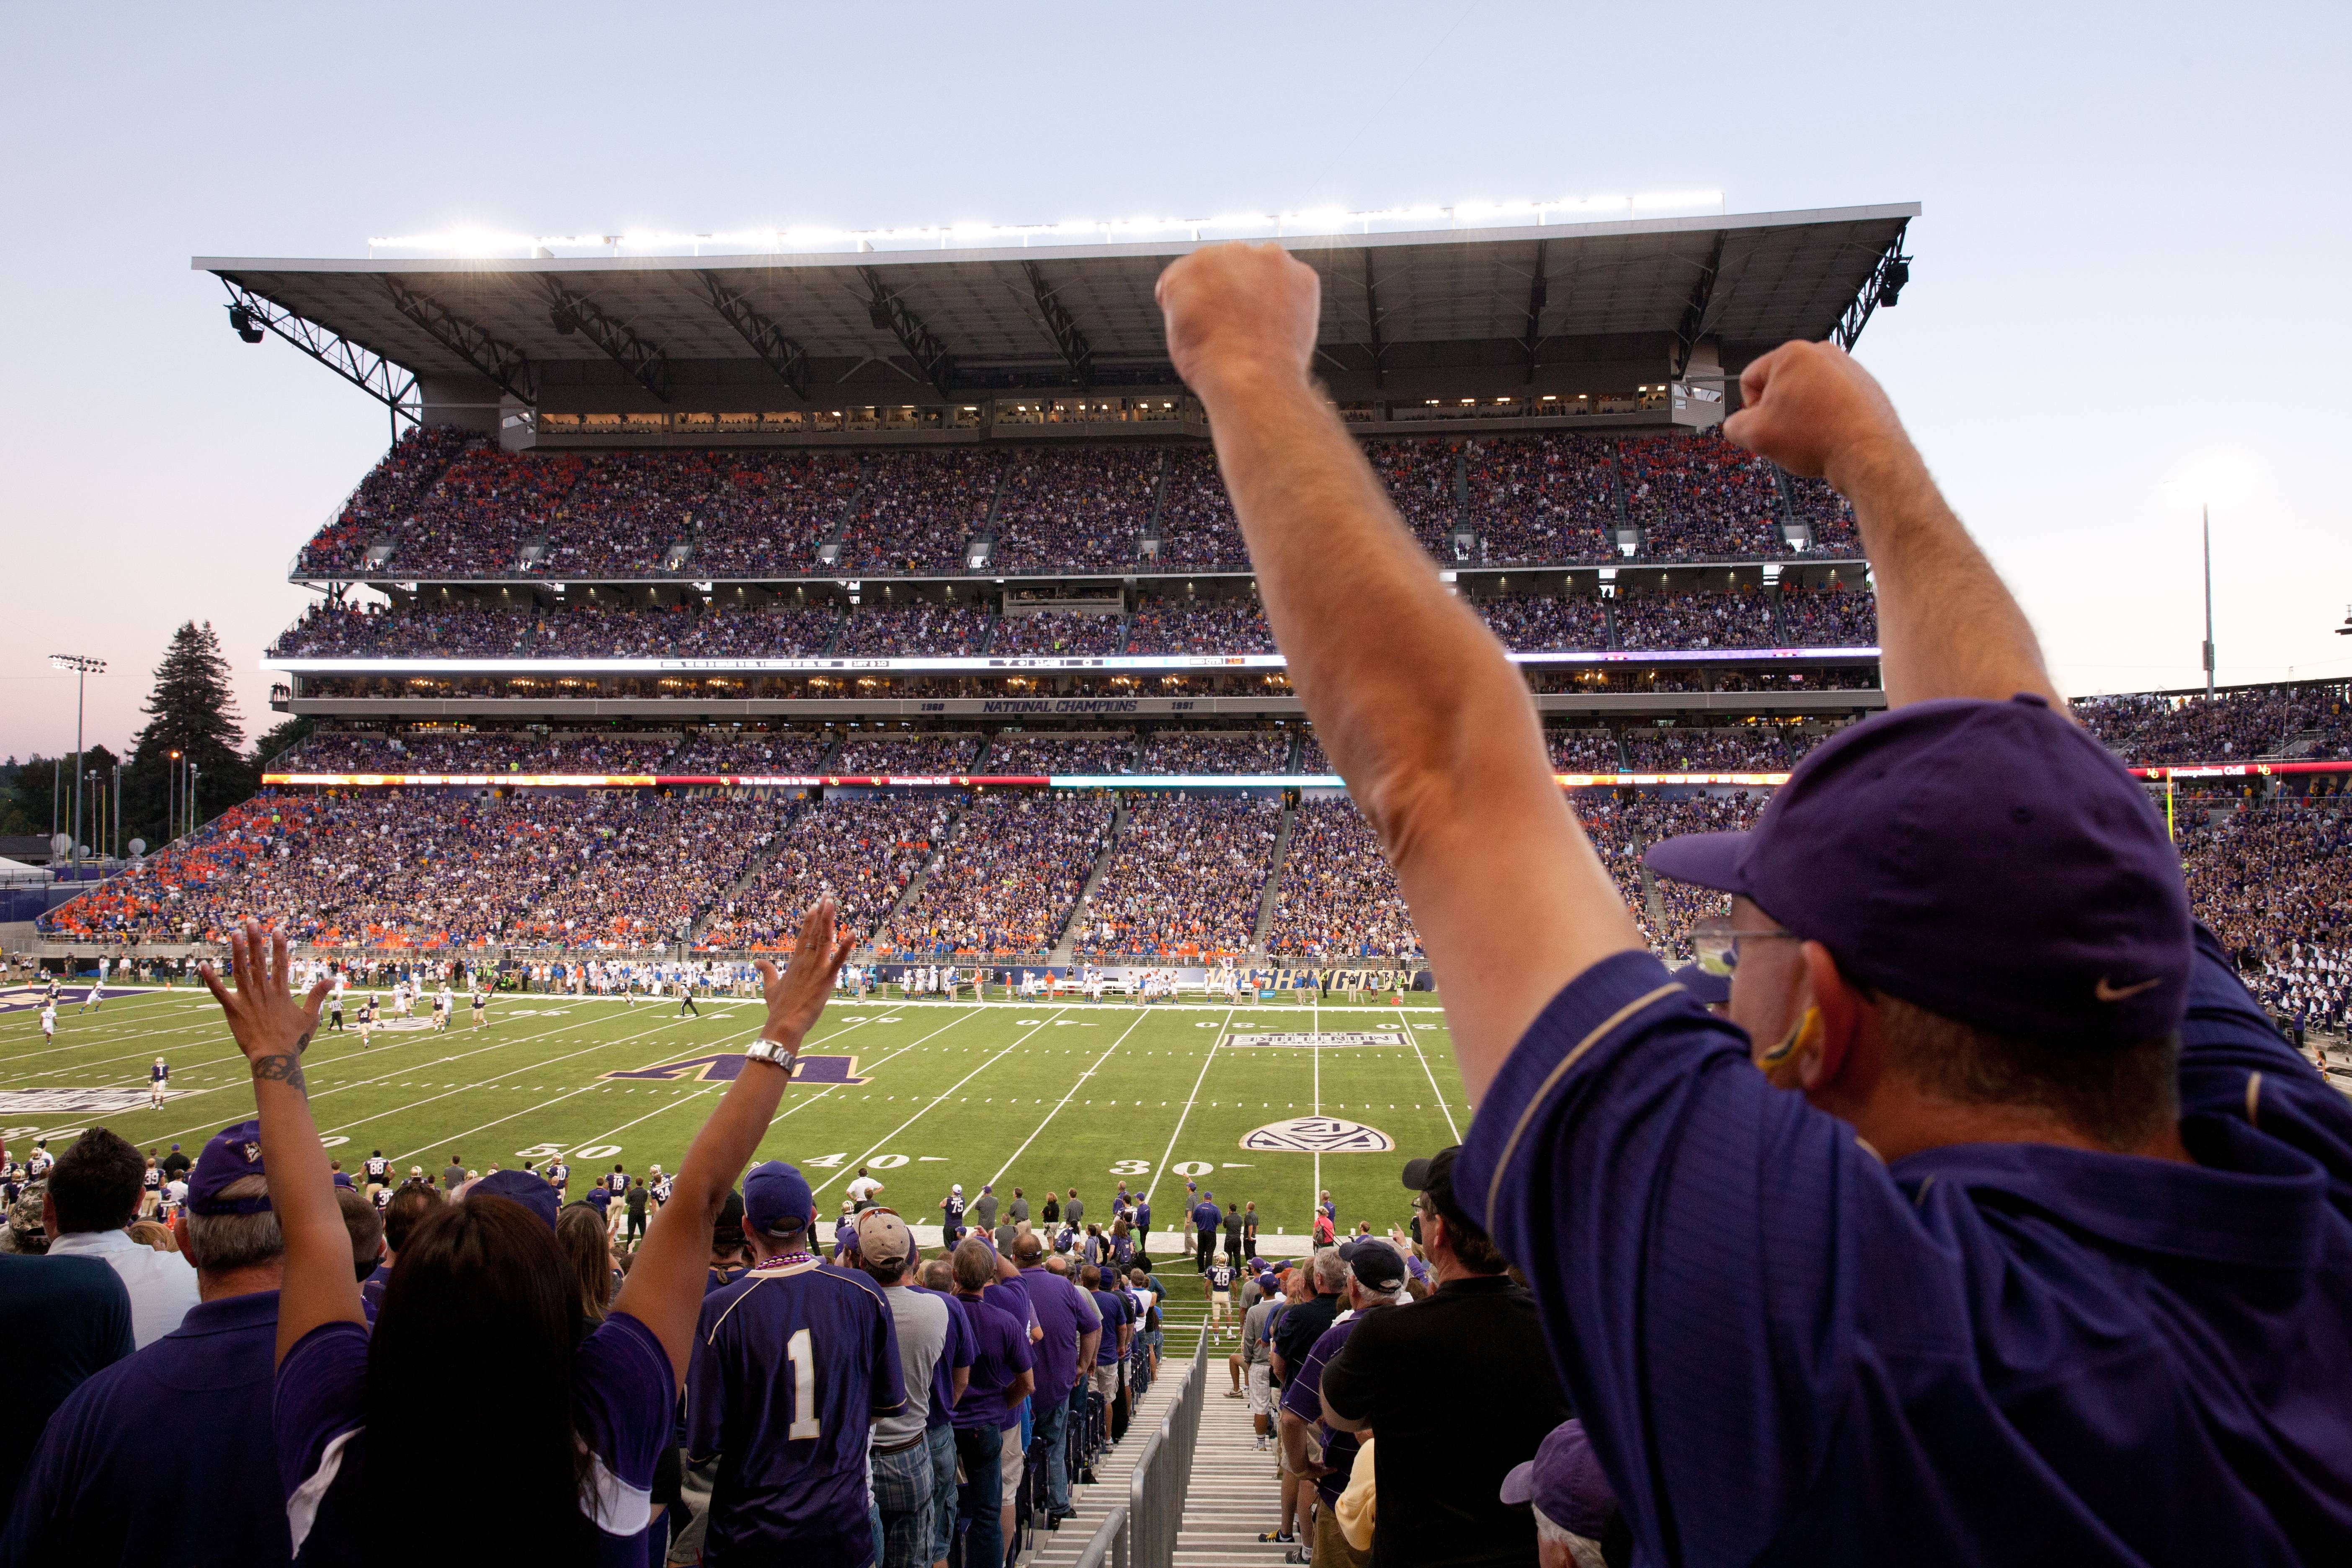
(1384, 659)
(1948, 625)
(1423, 716)
(319, 1287)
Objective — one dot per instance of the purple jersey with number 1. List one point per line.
(791, 1366)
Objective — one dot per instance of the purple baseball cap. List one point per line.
(1565, 1482)
(1714, 990)
(1989, 861)
(776, 1198)
(234, 1153)
(530, 1191)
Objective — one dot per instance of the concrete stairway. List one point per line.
(1113, 1470)
(1235, 1492)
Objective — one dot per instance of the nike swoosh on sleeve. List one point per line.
(2106, 992)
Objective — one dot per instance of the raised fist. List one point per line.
(1808, 405)
(1234, 311)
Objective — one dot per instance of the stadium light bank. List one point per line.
(802, 241)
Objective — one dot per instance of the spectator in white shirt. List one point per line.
(93, 1194)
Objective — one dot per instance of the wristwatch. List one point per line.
(775, 1053)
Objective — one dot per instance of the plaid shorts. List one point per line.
(903, 1491)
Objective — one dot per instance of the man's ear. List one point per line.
(1831, 1027)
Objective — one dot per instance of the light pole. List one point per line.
(192, 771)
(82, 667)
(97, 812)
(2207, 512)
(118, 811)
(172, 798)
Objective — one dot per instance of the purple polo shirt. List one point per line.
(1068, 1314)
(1000, 1355)
(1981, 1350)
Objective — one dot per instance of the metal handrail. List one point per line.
(1108, 1547)
(1163, 1471)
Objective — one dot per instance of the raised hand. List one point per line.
(268, 1025)
(798, 993)
(1809, 407)
(1236, 310)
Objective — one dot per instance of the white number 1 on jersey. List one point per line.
(802, 1353)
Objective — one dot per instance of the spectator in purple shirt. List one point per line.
(1958, 938)
(1073, 1330)
(480, 1327)
(1002, 1377)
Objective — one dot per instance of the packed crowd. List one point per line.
(1064, 634)
(1701, 499)
(1543, 499)
(1012, 751)
(1704, 620)
(860, 850)
(453, 510)
(1073, 509)
(1006, 879)
(1167, 625)
(1583, 751)
(1830, 514)
(388, 494)
(1196, 752)
(864, 753)
(1836, 617)
(916, 511)
(1538, 625)
(1705, 749)
(1338, 899)
(603, 625)
(2272, 878)
(482, 513)
(726, 751)
(2259, 721)
(396, 870)
(485, 751)
(1197, 526)
(415, 630)
(1420, 476)
(1185, 880)
(922, 629)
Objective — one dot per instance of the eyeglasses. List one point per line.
(1714, 944)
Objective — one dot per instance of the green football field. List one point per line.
(922, 1093)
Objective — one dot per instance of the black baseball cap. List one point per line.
(1377, 1265)
(1434, 1175)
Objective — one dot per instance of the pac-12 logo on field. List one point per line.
(724, 1067)
(1318, 1135)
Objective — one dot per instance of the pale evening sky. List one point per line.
(2132, 213)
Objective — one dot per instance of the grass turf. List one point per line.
(1024, 1093)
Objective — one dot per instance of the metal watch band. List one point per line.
(774, 1052)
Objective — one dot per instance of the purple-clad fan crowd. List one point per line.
(1963, 1183)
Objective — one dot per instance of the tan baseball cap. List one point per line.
(883, 1237)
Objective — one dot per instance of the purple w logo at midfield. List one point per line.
(727, 1066)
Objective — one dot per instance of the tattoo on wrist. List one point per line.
(286, 1070)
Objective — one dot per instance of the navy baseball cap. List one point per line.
(531, 1192)
(776, 1199)
(1988, 861)
(1565, 1482)
(234, 1153)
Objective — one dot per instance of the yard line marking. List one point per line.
(409, 1067)
(1140, 1016)
(113, 1039)
(1186, 1112)
(950, 1088)
(1429, 1075)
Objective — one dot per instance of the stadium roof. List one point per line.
(962, 322)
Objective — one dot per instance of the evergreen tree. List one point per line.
(192, 712)
(277, 737)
